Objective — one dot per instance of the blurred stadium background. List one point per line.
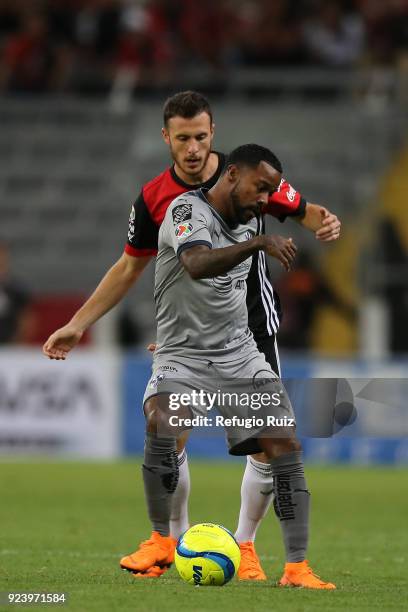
(324, 84)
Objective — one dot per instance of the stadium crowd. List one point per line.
(90, 46)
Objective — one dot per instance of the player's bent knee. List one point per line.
(275, 447)
(261, 457)
(296, 445)
(287, 445)
(158, 420)
(151, 411)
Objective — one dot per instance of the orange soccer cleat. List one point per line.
(158, 551)
(153, 572)
(250, 566)
(301, 575)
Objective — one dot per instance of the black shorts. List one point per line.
(269, 347)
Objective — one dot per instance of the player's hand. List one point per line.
(61, 342)
(151, 347)
(283, 249)
(330, 229)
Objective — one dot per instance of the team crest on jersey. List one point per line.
(154, 383)
(184, 229)
(182, 212)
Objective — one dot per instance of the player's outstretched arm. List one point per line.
(203, 262)
(325, 224)
(112, 288)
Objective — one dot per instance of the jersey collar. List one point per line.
(209, 183)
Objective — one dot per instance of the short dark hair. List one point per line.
(251, 155)
(186, 104)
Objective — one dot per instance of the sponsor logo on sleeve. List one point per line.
(184, 229)
(291, 194)
(182, 212)
(131, 231)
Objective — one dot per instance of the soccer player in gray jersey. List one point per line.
(194, 318)
(205, 246)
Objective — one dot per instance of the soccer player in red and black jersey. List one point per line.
(188, 131)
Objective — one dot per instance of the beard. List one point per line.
(181, 161)
(236, 207)
(240, 213)
(243, 214)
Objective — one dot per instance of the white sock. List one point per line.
(179, 502)
(256, 497)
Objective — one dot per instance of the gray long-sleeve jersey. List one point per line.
(204, 318)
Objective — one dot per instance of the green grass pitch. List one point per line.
(64, 526)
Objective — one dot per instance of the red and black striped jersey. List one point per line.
(150, 207)
(148, 212)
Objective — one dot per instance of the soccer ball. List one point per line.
(207, 554)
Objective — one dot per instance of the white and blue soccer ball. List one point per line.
(207, 554)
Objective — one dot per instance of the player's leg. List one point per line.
(166, 493)
(292, 504)
(160, 476)
(179, 521)
(279, 443)
(256, 496)
(160, 467)
(291, 496)
(256, 489)
(257, 482)
(287, 466)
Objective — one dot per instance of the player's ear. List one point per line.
(233, 172)
(212, 130)
(166, 136)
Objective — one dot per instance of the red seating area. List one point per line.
(49, 312)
